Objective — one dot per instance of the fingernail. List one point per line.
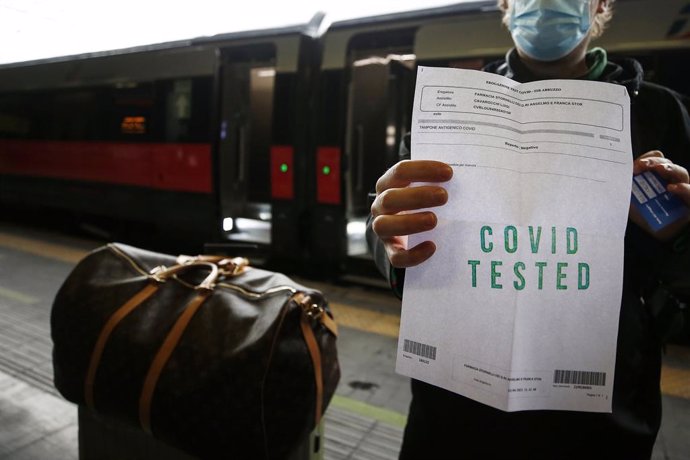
(644, 162)
(441, 196)
(431, 220)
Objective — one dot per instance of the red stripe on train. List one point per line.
(181, 167)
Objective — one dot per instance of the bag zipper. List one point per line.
(246, 293)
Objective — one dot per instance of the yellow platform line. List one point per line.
(41, 248)
(367, 410)
(675, 382)
(366, 320)
(17, 296)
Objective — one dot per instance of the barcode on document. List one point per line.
(419, 349)
(579, 377)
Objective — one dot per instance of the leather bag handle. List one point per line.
(163, 273)
(227, 266)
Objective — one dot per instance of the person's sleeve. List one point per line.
(674, 266)
(669, 298)
(394, 276)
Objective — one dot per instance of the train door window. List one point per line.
(379, 101)
(261, 88)
(247, 85)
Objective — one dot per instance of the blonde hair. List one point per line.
(601, 20)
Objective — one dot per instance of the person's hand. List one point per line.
(395, 197)
(678, 184)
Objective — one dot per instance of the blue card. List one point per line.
(658, 207)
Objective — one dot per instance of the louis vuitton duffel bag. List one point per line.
(213, 357)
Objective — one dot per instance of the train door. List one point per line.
(364, 104)
(379, 98)
(247, 82)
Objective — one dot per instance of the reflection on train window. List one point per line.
(178, 110)
(133, 111)
(133, 125)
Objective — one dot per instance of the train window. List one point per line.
(187, 109)
(178, 110)
(75, 115)
(132, 115)
(166, 110)
(12, 125)
(15, 117)
(53, 115)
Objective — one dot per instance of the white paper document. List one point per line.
(518, 308)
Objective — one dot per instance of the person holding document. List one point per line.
(551, 39)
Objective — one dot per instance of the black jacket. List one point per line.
(440, 419)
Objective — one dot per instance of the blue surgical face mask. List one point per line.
(547, 30)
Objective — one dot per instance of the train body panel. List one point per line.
(162, 166)
(156, 64)
(272, 137)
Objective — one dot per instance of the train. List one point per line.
(267, 141)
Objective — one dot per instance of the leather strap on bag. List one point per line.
(104, 335)
(162, 356)
(310, 312)
(330, 324)
(158, 275)
(315, 354)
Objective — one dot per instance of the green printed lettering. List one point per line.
(483, 232)
(519, 285)
(474, 264)
(571, 240)
(560, 275)
(540, 280)
(510, 239)
(534, 242)
(495, 275)
(553, 240)
(582, 276)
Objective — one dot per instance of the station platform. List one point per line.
(364, 421)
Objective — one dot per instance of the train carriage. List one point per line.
(175, 139)
(88, 135)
